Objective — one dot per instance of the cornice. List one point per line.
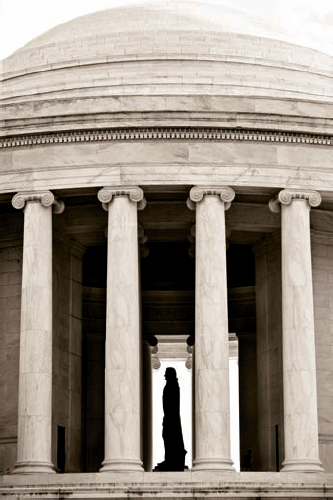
(165, 133)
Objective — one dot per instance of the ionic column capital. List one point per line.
(135, 194)
(286, 196)
(46, 198)
(197, 194)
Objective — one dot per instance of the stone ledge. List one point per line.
(168, 485)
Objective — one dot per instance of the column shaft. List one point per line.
(122, 347)
(35, 377)
(212, 412)
(147, 413)
(299, 368)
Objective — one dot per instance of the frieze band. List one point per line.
(177, 133)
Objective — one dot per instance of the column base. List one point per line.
(302, 466)
(219, 464)
(121, 465)
(34, 468)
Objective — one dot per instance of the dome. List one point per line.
(168, 48)
(163, 27)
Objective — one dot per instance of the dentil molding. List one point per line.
(167, 133)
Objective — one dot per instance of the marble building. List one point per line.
(166, 173)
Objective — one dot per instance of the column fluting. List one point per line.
(122, 345)
(212, 405)
(298, 337)
(35, 368)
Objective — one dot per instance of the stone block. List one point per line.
(16, 253)
(76, 336)
(318, 250)
(10, 291)
(76, 412)
(12, 355)
(14, 278)
(10, 266)
(323, 351)
(76, 373)
(320, 301)
(325, 402)
(323, 337)
(3, 304)
(74, 450)
(321, 287)
(326, 453)
(76, 299)
(14, 302)
(320, 313)
(324, 382)
(76, 264)
(3, 279)
(4, 254)
(320, 276)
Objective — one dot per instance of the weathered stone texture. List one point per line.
(67, 350)
(10, 295)
(322, 262)
(269, 351)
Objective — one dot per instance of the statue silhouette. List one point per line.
(172, 429)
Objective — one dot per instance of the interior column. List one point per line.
(35, 371)
(212, 406)
(147, 413)
(122, 346)
(299, 363)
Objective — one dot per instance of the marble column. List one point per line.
(212, 406)
(122, 346)
(298, 337)
(35, 369)
(147, 410)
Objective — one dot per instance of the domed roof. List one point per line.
(183, 26)
(163, 57)
(162, 15)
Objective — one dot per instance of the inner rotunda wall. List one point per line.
(67, 354)
(322, 269)
(269, 352)
(10, 309)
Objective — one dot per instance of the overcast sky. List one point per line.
(311, 21)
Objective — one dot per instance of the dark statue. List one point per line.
(172, 429)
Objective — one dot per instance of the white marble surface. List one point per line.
(122, 350)
(212, 420)
(299, 368)
(35, 379)
(163, 162)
